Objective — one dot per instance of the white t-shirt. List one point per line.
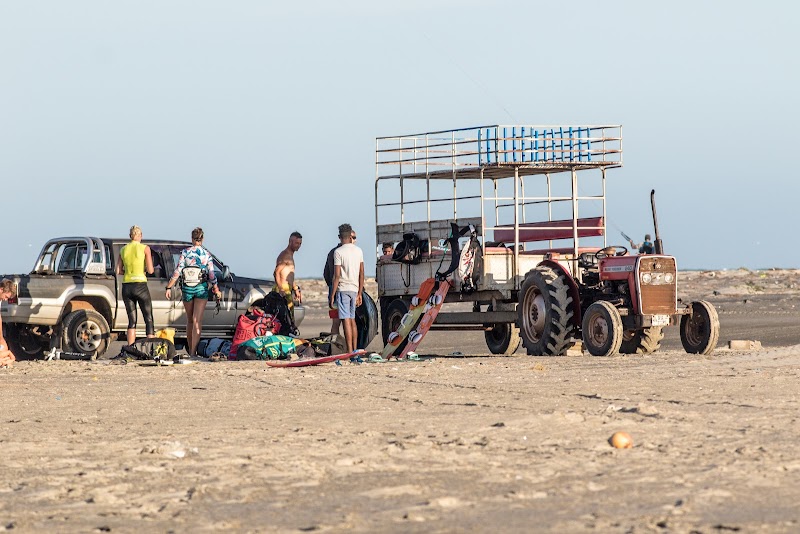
(350, 257)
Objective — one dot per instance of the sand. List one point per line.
(467, 444)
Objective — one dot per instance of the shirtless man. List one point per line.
(284, 273)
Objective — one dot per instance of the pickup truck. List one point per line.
(72, 299)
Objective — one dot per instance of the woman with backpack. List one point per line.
(195, 270)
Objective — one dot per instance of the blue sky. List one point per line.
(254, 119)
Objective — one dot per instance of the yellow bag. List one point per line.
(167, 333)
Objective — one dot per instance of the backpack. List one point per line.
(276, 306)
(409, 250)
(275, 347)
(253, 324)
(150, 349)
(329, 344)
(192, 276)
(207, 347)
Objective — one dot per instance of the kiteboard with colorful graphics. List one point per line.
(419, 305)
(434, 306)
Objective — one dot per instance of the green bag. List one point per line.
(273, 347)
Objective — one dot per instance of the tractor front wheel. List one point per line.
(700, 329)
(602, 329)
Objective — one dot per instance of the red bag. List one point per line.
(251, 325)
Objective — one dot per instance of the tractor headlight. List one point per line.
(669, 278)
(647, 278)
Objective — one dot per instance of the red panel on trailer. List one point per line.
(545, 231)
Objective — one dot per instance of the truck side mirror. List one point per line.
(227, 276)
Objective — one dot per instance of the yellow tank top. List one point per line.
(133, 260)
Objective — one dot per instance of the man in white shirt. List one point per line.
(348, 283)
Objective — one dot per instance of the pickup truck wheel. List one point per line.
(85, 331)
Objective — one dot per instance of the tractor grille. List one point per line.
(658, 285)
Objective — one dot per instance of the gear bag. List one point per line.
(253, 324)
(275, 305)
(150, 349)
(267, 348)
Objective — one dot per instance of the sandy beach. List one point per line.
(446, 444)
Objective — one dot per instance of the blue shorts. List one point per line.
(200, 291)
(346, 302)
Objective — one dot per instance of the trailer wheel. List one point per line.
(700, 329)
(503, 338)
(85, 331)
(390, 320)
(545, 313)
(642, 341)
(602, 329)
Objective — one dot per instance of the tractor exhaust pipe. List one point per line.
(659, 246)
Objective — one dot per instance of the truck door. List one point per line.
(157, 285)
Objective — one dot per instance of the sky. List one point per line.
(253, 119)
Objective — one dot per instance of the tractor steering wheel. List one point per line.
(613, 250)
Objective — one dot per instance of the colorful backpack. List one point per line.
(254, 324)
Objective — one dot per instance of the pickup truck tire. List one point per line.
(85, 331)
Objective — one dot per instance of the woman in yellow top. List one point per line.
(133, 259)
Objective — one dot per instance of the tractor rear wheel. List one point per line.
(642, 341)
(602, 329)
(700, 329)
(545, 313)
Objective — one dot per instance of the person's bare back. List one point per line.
(284, 266)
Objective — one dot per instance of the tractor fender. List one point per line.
(573, 290)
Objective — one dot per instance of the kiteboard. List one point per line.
(315, 361)
(434, 306)
(419, 305)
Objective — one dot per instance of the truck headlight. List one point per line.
(669, 278)
(647, 278)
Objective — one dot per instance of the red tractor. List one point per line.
(615, 303)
